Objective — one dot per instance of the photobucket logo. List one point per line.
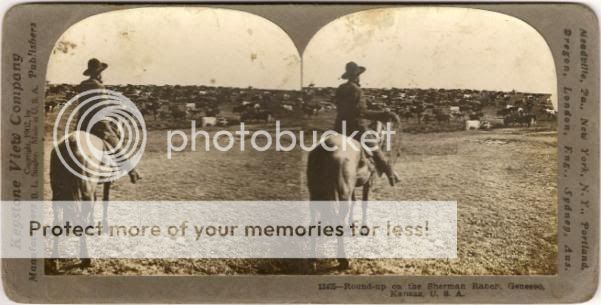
(103, 135)
(282, 140)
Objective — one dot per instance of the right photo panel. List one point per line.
(472, 94)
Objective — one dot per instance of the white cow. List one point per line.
(472, 125)
(190, 106)
(208, 121)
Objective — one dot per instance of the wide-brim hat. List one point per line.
(95, 66)
(352, 69)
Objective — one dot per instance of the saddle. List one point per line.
(368, 160)
(367, 156)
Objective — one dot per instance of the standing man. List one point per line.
(103, 129)
(352, 109)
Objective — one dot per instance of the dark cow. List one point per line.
(520, 120)
(251, 115)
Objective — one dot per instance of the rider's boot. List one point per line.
(384, 167)
(134, 176)
(393, 177)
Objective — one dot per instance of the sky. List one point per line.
(185, 46)
(432, 47)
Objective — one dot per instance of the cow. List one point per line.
(311, 110)
(520, 119)
(256, 115)
(441, 116)
(472, 125)
(208, 121)
(405, 114)
(454, 110)
(50, 106)
(548, 113)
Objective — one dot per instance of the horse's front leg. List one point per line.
(352, 209)
(312, 241)
(343, 211)
(84, 256)
(86, 261)
(57, 209)
(106, 190)
(86, 217)
(364, 200)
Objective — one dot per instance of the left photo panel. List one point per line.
(169, 104)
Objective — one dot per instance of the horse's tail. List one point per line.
(325, 176)
(65, 185)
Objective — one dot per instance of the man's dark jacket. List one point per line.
(352, 108)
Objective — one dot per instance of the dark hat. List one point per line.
(352, 69)
(94, 66)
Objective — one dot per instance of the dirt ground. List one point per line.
(503, 180)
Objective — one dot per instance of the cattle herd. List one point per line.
(227, 106)
(210, 105)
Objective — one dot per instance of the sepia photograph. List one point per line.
(474, 92)
(470, 95)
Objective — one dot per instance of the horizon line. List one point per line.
(305, 87)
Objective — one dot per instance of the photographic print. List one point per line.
(322, 153)
(487, 142)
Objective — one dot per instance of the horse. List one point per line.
(334, 175)
(73, 195)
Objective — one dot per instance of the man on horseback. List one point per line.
(352, 110)
(103, 129)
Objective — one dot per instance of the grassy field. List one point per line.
(504, 181)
